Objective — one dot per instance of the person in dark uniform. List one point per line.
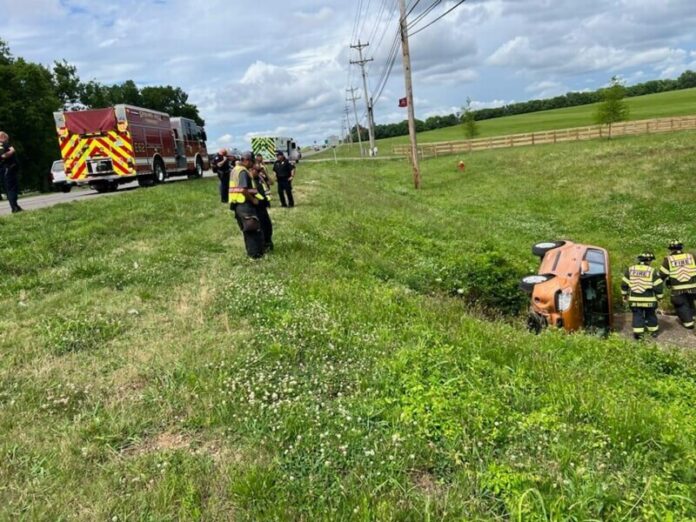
(264, 178)
(285, 173)
(9, 171)
(642, 287)
(679, 273)
(263, 206)
(222, 167)
(244, 204)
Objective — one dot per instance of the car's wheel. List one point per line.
(112, 186)
(198, 171)
(160, 173)
(540, 249)
(529, 282)
(146, 181)
(101, 187)
(66, 188)
(199, 168)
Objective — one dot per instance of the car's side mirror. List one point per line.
(584, 266)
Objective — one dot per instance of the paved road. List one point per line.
(77, 194)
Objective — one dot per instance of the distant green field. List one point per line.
(674, 103)
(150, 372)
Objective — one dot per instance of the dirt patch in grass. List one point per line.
(127, 384)
(220, 452)
(426, 483)
(193, 301)
(166, 441)
(215, 448)
(672, 333)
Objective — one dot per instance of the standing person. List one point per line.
(244, 203)
(9, 170)
(679, 272)
(263, 206)
(285, 173)
(222, 167)
(264, 178)
(642, 286)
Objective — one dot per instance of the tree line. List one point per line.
(686, 80)
(31, 92)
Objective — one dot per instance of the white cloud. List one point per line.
(546, 89)
(287, 70)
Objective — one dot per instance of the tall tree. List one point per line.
(172, 100)
(27, 101)
(66, 83)
(130, 93)
(613, 107)
(468, 118)
(94, 95)
(687, 80)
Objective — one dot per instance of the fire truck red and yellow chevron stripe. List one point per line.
(76, 151)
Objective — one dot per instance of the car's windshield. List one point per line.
(57, 165)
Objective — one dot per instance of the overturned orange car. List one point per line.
(572, 289)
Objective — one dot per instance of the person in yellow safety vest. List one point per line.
(244, 203)
(262, 207)
(679, 272)
(642, 286)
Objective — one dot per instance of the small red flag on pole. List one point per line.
(403, 102)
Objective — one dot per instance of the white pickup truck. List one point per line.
(59, 179)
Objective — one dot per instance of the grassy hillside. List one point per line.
(149, 371)
(674, 103)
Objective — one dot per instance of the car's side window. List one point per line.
(595, 259)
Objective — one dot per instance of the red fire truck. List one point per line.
(107, 147)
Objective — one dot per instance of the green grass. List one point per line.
(674, 103)
(149, 371)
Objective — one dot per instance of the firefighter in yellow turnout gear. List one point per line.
(244, 202)
(679, 272)
(642, 286)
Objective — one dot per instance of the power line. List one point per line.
(356, 22)
(413, 7)
(388, 67)
(367, 10)
(388, 24)
(438, 18)
(423, 14)
(378, 20)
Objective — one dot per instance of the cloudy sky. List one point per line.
(281, 67)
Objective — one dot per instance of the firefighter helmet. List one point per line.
(646, 257)
(675, 245)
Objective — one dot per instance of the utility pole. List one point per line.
(361, 62)
(409, 95)
(354, 97)
(346, 123)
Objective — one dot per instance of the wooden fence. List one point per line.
(628, 128)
